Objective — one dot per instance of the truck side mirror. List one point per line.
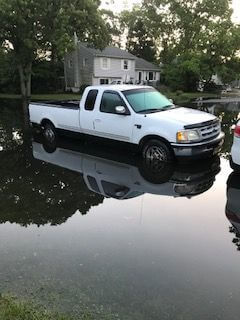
(121, 110)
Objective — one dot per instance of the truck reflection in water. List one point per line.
(123, 177)
(233, 206)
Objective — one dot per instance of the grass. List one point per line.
(57, 96)
(13, 309)
(177, 96)
(188, 96)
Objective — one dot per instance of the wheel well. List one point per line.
(45, 121)
(153, 137)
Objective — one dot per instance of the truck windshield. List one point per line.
(147, 100)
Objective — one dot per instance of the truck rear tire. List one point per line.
(157, 150)
(49, 132)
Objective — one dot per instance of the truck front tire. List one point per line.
(157, 150)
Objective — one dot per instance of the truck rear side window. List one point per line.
(90, 100)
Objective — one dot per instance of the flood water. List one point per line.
(85, 227)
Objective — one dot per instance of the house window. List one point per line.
(150, 76)
(85, 60)
(70, 63)
(104, 81)
(105, 63)
(140, 76)
(126, 65)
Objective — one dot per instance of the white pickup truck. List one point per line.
(136, 115)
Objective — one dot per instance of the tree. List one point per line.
(183, 73)
(113, 26)
(192, 29)
(8, 74)
(229, 71)
(29, 29)
(139, 40)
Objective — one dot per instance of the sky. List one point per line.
(119, 5)
(236, 8)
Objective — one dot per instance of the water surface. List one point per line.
(99, 230)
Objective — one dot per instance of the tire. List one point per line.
(157, 150)
(156, 172)
(49, 133)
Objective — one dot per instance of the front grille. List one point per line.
(210, 131)
(203, 186)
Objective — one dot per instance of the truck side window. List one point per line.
(110, 100)
(90, 100)
(93, 184)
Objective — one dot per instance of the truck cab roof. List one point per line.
(118, 87)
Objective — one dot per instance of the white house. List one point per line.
(89, 66)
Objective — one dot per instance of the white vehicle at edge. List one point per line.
(136, 115)
(235, 150)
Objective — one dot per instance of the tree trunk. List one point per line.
(25, 73)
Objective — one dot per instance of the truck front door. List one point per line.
(108, 123)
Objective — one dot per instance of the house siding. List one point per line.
(84, 66)
(69, 71)
(115, 69)
(85, 71)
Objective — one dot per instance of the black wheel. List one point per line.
(157, 150)
(49, 132)
(156, 172)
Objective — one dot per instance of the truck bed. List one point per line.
(62, 114)
(73, 104)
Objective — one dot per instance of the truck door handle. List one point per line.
(97, 120)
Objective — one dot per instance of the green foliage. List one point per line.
(113, 26)
(139, 40)
(229, 71)
(12, 309)
(31, 29)
(47, 76)
(196, 38)
(183, 73)
(8, 74)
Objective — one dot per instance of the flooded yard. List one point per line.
(82, 227)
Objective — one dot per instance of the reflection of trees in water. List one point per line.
(236, 239)
(33, 192)
(228, 113)
(11, 124)
(228, 119)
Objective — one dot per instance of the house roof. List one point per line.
(111, 52)
(142, 64)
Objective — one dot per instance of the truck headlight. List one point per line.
(187, 136)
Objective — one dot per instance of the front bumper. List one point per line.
(200, 149)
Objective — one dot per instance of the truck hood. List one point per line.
(185, 116)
